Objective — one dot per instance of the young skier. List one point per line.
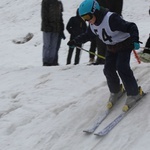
(121, 37)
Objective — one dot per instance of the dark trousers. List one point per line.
(118, 64)
(147, 45)
(92, 48)
(77, 55)
(101, 47)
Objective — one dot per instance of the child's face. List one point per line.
(92, 21)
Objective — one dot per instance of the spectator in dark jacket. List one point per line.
(147, 45)
(52, 27)
(75, 27)
(114, 6)
(93, 47)
(145, 55)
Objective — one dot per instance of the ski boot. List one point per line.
(91, 61)
(131, 100)
(114, 97)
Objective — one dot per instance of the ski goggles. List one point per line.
(87, 17)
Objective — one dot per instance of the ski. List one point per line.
(101, 118)
(111, 125)
(98, 122)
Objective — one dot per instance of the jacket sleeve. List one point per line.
(117, 23)
(44, 10)
(69, 26)
(84, 37)
(61, 15)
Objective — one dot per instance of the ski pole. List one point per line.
(91, 52)
(136, 56)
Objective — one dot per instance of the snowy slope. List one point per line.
(47, 108)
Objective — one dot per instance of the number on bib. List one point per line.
(106, 36)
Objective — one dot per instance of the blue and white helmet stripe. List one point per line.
(94, 6)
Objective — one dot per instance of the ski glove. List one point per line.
(72, 43)
(136, 45)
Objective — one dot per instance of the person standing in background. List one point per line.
(52, 27)
(75, 27)
(61, 35)
(97, 44)
(93, 47)
(147, 45)
(145, 55)
(114, 6)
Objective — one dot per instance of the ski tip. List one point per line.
(98, 134)
(87, 131)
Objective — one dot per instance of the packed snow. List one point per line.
(47, 108)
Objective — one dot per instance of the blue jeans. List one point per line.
(58, 46)
(50, 47)
(117, 65)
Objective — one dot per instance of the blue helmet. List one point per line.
(88, 6)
